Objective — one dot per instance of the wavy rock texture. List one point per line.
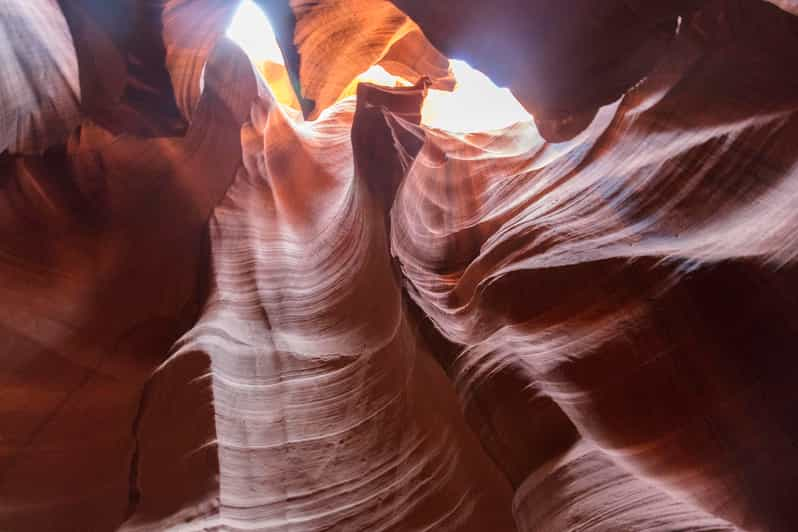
(102, 254)
(362, 33)
(329, 412)
(632, 277)
(539, 49)
(215, 315)
(39, 90)
(563, 60)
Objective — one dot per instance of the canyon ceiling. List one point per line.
(248, 295)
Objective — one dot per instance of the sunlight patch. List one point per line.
(475, 104)
(252, 31)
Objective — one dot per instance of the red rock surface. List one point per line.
(215, 315)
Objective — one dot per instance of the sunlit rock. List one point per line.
(305, 272)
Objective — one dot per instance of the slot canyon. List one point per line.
(409, 265)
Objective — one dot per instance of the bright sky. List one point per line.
(253, 32)
(476, 104)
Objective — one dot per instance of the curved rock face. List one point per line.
(102, 256)
(563, 60)
(39, 88)
(329, 412)
(625, 276)
(215, 315)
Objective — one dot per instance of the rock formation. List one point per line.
(222, 312)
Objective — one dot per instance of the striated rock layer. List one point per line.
(329, 411)
(217, 315)
(637, 280)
